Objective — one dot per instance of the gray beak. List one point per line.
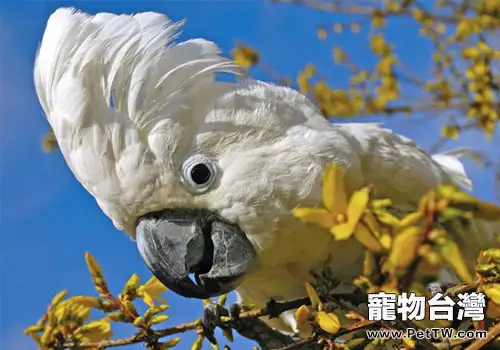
(175, 243)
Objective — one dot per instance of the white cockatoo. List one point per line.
(204, 174)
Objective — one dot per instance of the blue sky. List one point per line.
(49, 221)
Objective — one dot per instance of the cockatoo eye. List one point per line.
(198, 173)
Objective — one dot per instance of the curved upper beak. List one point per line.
(175, 243)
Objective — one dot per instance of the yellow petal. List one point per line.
(58, 297)
(302, 314)
(86, 301)
(154, 288)
(493, 253)
(388, 219)
(492, 290)
(381, 203)
(159, 319)
(82, 312)
(321, 32)
(493, 310)
(343, 231)
(138, 321)
(365, 237)
(410, 219)
(32, 329)
(450, 252)
(172, 342)
(222, 299)
(313, 296)
(245, 56)
(320, 217)
(357, 204)
(334, 196)
(405, 246)
(372, 224)
(47, 335)
(148, 300)
(198, 343)
(95, 331)
(409, 342)
(386, 240)
(328, 322)
(132, 284)
(93, 266)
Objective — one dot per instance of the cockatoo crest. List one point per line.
(113, 87)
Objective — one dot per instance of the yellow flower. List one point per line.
(151, 290)
(341, 215)
(492, 290)
(68, 310)
(329, 322)
(245, 56)
(94, 331)
(93, 266)
(86, 301)
(311, 292)
(302, 314)
(451, 131)
(321, 32)
(49, 142)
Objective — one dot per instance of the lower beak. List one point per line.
(175, 243)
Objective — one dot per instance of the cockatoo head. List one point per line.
(199, 172)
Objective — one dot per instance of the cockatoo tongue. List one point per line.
(175, 243)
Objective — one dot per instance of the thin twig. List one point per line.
(359, 10)
(155, 335)
(493, 333)
(462, 288)
(136, 338)
(450, 344)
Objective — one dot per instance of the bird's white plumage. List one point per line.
(128, 106)
(114, 88)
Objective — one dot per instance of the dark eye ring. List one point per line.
(198, 173)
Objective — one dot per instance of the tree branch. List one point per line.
(273, 310)
(493, 333)
(358, 10)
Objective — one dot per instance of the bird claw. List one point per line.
(212, 319)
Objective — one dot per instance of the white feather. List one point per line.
(450, 161)
(108, 84)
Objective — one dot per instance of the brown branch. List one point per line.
(450, 344)
(136, 338)
(272, 310)
(359, 10)
(493, 333)
(462, 288)
(443, 139)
